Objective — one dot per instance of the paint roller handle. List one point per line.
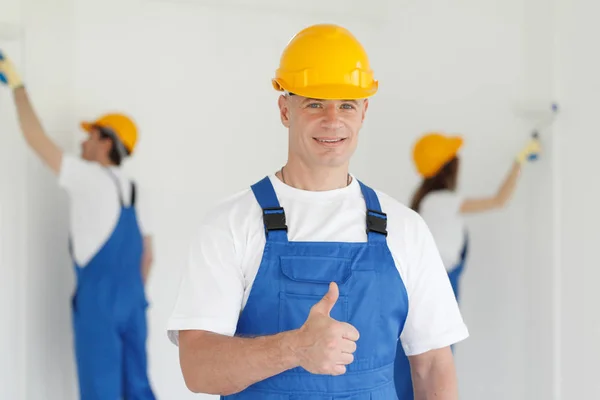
(531, 150)
(533, 156)
(8, 73)
(536, 134)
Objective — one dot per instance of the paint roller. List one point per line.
(8, 32)
(543, 123)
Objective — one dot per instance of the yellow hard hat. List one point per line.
(120, 124)
(326, 62)
(433, 150)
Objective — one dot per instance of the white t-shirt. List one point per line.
(227, 251)
(441, 212)
(94, 204)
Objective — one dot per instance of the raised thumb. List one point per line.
(325, 305)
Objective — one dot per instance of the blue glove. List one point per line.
(2, 77)
(8, 73)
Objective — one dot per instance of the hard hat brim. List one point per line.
(87, 126)
(456, 143)
(329, 92)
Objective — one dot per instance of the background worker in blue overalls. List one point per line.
(112, 253)
(300, 286)
(436, 159)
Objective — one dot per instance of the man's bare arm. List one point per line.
(34, 134)
(230, 364)
(499, 200)
(218, 364)
(147, 258)
(434, 375)
(31, 127)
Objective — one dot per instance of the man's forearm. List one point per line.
(146, 266)
(34, 133)
(146, 270)
(147, 258)
(434, 376)
(218, 364)
(509, 184)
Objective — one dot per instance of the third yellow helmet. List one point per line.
(433, 150)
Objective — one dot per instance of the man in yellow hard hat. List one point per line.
(304, 285)
(112, 253)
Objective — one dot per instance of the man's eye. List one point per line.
(314, 105)
(348, 106)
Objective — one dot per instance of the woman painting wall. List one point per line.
(436, 159)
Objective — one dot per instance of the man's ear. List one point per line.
(284, 110)
(107, 144)
(365, 107)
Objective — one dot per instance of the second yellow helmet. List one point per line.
(120, 124)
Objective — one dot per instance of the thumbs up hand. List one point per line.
(326, 346)
(326, 304)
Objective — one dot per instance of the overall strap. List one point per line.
(117, 183)
(273, 214)
(465, 250)
(71, 251)
(132, 194)
(376, 219)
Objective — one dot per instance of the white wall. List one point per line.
(12, 246)
(12, 232)
(538, 192)
(36, 342)
(577, 86)
(206, 111)
(48, 68)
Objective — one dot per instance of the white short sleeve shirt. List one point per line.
(227, 250)
(441, 212)
(94, 204)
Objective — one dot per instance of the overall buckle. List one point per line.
(274, 219)
(377, 222)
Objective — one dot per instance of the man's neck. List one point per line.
(314, 179)
(106, 163)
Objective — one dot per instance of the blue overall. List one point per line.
(294, 276)
(109, 316)
(455, 273)
(402, 376)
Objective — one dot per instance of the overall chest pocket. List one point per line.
(304, 282)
